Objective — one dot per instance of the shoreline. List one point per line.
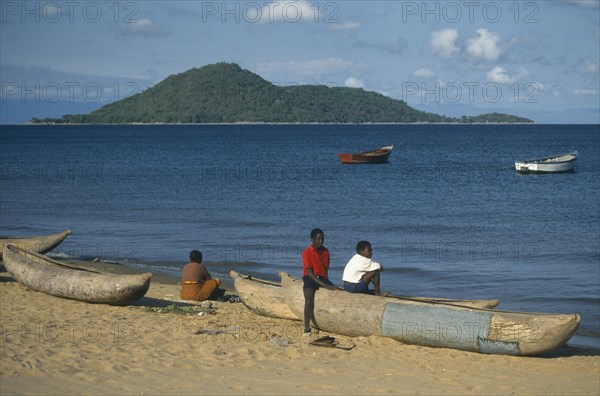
(53, 345)
(287, 123)
(123, 268)
(581, 340)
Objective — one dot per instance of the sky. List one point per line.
(536, 59)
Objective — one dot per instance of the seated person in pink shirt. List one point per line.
(361, 270)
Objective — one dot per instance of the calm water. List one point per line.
(448, 216)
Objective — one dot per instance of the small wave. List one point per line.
(166, 269)
(61, 256)
(588, 332)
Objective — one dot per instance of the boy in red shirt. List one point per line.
(315, 262)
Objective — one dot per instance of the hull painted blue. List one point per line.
(440, 326)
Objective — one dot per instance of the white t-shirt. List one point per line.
(357, 267)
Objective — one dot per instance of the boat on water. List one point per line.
(266, 298)
(60, 279)
(551, 164)
(378, 156)
(37, 244)
(434, 324)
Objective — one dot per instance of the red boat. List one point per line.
(379, 156)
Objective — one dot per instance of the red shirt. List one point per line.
(317, 260)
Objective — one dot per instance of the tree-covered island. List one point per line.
(226, 93)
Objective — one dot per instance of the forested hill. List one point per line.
(226, 93)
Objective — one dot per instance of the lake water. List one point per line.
(448, 216)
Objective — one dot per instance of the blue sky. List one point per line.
(538, 59)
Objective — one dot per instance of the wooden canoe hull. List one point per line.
(261, 297)
(485, 304)
(37, 244)
(433, 324)
(265, 298)
(49, 276)
(378, 156)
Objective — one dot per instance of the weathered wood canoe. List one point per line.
(378, 156)
(59, 279)
(553, 164)
(37, 244)
(434, 324)
(487, 304)
(261, 296)
(266, 298)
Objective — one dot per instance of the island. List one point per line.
(226, 93)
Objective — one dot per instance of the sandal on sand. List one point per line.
(330, 342)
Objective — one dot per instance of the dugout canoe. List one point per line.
(266, 298)
(434, 324)
(59, 279)
(261, 296)
(37, 244)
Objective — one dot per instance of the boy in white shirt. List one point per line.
(361, 270)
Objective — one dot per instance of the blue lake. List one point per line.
(448, 216)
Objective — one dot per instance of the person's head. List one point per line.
(317, 237)
(364, 248)
(196, 256)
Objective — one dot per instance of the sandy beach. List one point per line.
(51, 345)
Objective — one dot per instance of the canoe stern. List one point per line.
(261, 297)
(477, 330)
(38, 244)
(440, 326)
(49, 276)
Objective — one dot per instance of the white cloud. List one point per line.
(589, 66)
(308, 67)
(344, 26)
(484, 46)
(143, 24)
(443, 42)
(353, 82)
(146, 28)
(500, 75)
(423, 73)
